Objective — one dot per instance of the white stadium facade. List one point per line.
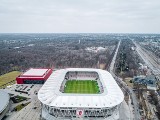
(4, 103)
(56, 104)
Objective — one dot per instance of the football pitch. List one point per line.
(81, 86)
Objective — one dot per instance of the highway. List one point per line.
(137, 115)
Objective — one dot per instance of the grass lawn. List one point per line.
(21, 106)
(17, 99)
(8, 78)
(81, 86)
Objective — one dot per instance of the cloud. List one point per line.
(80, 16)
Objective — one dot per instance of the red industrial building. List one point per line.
(34, 76)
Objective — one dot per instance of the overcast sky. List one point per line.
(80, 16)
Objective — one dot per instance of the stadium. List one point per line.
(80, 93)
(4, 103)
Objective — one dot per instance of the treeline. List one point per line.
(58, 52)
(127, 62)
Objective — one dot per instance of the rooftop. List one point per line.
(4, 100)
(50, 93)
(150, 81)
(35, 72)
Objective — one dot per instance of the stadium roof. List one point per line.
(50, 93)
(4, 100)
(35, 72)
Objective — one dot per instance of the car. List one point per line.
(134, 89)
(35, 107)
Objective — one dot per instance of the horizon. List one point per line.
(75, 33)
(80, 16)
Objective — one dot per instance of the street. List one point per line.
(137, 115)
(148, 59)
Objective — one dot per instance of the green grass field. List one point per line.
(81, 86)
(8, 78)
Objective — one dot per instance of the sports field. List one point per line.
(81, 86)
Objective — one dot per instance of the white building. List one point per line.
(59, 105)
(4, 103)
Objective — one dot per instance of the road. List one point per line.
(148, 58)
(111, 68)
(137, 115)
(124, 115)
(135, 104)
